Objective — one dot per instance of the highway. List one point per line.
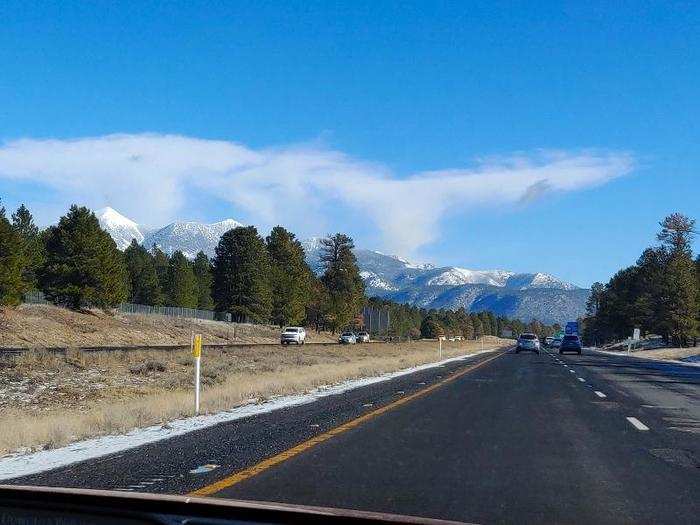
(500, 438)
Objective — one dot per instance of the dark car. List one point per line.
(570, 343)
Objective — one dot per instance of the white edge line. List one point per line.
(637, 424)
(26, 464)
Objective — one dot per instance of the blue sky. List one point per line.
(316, 114)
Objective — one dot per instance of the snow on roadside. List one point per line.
(23, 465)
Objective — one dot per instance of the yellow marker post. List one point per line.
(197, 354)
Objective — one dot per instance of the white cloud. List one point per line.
(156, 178)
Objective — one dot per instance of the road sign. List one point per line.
(636, 335)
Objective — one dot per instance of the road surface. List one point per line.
(500, 438)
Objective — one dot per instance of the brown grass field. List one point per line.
(43, 326)
(48, 400)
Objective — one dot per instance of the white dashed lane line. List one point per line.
(581, 379)
(637, 424)
(600, 394)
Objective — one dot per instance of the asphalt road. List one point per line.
(519, 439)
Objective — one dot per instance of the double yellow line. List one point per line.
(270, 462)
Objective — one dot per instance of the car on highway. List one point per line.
(548, 341)
(362, 337)
(528, 342)
(293, 334)
(571, 343)
(347, 338)
(556, 342)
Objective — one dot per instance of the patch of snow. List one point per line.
(454, 276)
(373, 280)
(190, 237)
(121, 229)
(23, 465)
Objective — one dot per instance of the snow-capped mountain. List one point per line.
(122, 230)
(523, 295)
(189, 237)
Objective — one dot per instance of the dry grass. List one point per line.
(136, 389)
(667, 353)
(42, 326)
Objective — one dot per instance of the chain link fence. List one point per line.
(37, 297)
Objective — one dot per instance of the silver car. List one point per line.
(362, 337)
(347, 338)
(528, 342)
(293, 334)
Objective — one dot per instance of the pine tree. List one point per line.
(241, 275)
(676, 233)
(83, 267)
(677, 315)
(161, 262)
(205, 279)
(290, 277)
(478, 326)
(485, 323)
(183, 290)
(144, 284)
(431, 328)
(342, 280)
(12, 282)
(32, 248)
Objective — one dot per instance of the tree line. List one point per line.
(660, 294)
(415, 322)
(77, 264)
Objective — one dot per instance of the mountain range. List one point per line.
(525, 296)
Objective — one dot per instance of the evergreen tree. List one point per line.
(203, 275)
(431, 328)
(465, 324)
(143, 280)
(317, 307)
(290, 277)
(342, 280)
(183, 289)
(83, 267)
(32, 249)
(478, 326)
(485, 323)
(676, 233)
(161, 262)
(241, 275)
(679, 283)
(12, 282)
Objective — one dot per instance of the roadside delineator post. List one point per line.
(197, 354)
(440, 339)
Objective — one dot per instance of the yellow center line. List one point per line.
(270, 462)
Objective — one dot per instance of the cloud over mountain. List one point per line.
(155, 178)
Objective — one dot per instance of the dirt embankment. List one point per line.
(49, 399)
(42, 326)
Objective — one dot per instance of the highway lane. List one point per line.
(521, 438)
(185, 463)
(524, 439)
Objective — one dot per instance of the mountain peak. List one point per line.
(122, 229)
